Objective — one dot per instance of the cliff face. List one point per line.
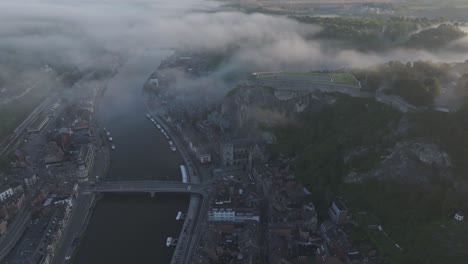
(249, 110)
(409, 161)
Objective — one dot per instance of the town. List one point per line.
(55, 150)
(258, 212)
(325, 132)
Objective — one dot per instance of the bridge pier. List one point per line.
(152, 194)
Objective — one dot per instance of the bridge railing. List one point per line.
(152, 183)
(162, 182)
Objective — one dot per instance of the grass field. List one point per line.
(312, 77)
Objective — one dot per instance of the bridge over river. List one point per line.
(151, 187)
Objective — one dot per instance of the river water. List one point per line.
(133, 228)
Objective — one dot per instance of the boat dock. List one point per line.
(171, 144)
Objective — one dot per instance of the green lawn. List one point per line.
(313, 77)
(377, 239)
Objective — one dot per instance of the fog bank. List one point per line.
(78, 33)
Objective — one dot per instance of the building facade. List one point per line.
(240, 153)
(338, 212)
(232, 215)
(85, 162)
(5, 193)
(459, 216)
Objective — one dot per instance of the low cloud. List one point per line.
(35, 32)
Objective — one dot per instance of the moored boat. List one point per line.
(169, 241)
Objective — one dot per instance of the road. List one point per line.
(186, 234)
(9, 240)
(80, 212)
(197, 232)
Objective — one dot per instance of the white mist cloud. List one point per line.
(78, 32)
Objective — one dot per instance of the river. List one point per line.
(133, 228)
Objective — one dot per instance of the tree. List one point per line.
(4, 163)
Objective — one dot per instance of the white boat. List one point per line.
(113, 147)
(148, 115)
(169, 241)
(179, 216)
(108, 134)
(167, 137)
(173, 148)
(183, 171)
(171, 143)
(158, 126)
(110, 139)
(152, 119)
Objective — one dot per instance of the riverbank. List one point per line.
(197, 211)
(194, 204)
(85, 203)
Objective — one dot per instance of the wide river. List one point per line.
(134, 228)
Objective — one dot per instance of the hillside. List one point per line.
(389, 166)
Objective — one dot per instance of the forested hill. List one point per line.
(379, 34)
